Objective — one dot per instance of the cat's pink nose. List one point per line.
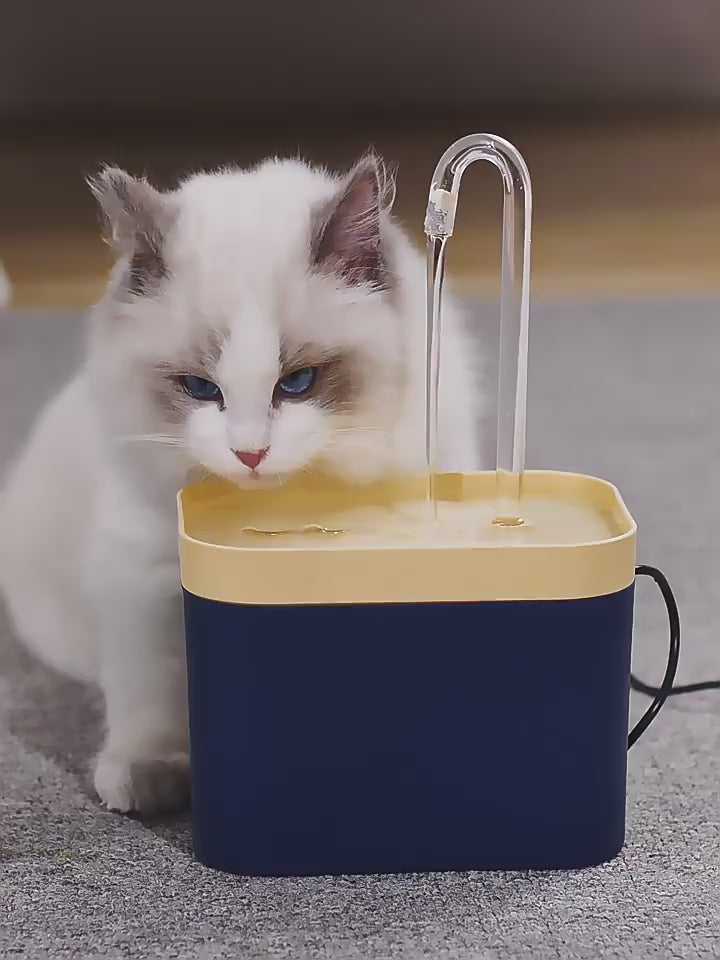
(251, 458)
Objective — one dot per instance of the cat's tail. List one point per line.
(5, 288)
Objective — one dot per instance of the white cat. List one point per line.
(256, 322)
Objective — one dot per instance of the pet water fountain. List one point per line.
(429, 673)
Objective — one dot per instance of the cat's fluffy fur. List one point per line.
(237, 277)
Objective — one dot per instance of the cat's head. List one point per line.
(257, 317)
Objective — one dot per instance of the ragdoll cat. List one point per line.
(256, 323)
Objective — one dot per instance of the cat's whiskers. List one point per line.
(165, 439)
(359, 429)
(202, 473)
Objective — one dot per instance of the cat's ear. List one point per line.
(137, 218)
(348, 239)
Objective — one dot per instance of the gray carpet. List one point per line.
(628, 391)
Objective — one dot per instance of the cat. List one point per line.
(256, 323)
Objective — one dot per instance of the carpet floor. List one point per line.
(624, 390)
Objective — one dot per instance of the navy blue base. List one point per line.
(404, 738)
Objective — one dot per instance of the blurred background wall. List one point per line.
(512, 53)
(615, 104)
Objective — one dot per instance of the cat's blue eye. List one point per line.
(200, 389)
(298, 382)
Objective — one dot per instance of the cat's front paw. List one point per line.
(144, 785)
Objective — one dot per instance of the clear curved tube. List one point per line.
(514, 303)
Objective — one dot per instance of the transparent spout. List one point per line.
(514, 304)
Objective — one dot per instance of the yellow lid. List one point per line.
(318, 541)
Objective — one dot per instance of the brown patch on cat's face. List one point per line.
(163, 378)
(167, 394)
(336, 388)
(337, 384)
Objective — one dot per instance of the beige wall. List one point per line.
(570, 52)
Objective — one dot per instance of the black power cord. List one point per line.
(649, 691)
(666, 688)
